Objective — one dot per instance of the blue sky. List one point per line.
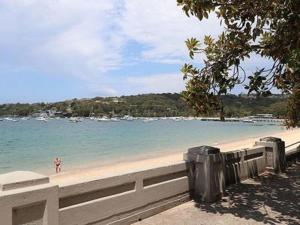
(53, 50)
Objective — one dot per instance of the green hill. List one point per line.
(147, 105)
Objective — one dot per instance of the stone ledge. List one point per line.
(21, 179)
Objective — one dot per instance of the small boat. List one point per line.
(115, 119)
(43, 119)
(146, 120)
(25, 118)
(248, 121)
(177, 119)
(188, 118)
(75, 119)
(128, 118)
(11, 119)
(103, 119)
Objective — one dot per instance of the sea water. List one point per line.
(33, 145)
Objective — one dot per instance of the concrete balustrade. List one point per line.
(292, 154)
(244, 164)
(275, 153)
(28, 198)
(124, 198)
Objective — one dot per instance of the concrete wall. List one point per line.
(123, 198)
(243, 164)
(293, 153)
(29, 199)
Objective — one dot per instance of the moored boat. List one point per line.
(11, 119)
(113, 119)
(43, 119)
(75, 119)
(248, 121)
(103, 119)
(128, 118)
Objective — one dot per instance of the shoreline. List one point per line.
(146, 161)
(146, 155)
(103, 162)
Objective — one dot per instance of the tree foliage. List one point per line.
(269, 28)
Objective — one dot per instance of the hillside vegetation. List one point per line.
(148, 105)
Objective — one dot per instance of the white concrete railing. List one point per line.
(242, 164)
(29, 198)
(292, 152)
(129, 195)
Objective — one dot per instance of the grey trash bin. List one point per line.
(275, 153)
(205, 173)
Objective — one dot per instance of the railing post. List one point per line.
(28, 198)
(206, 173)
(139, 185)
(275, 153)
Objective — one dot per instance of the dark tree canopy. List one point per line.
(268, 28)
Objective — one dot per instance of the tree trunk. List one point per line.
(293, 109)
(222, 114)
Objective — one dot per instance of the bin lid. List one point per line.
(271, 139)
(203, 150)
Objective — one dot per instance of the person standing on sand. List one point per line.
(57, 163)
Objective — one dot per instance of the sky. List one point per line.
(53, 50)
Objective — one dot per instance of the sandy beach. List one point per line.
(150, 161)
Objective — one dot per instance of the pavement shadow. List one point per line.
(270, 199)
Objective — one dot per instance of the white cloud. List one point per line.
(86, 39)
(163, 27)
(98, 89)
(74, 38)
(157, 83)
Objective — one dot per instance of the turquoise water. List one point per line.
(32, 145)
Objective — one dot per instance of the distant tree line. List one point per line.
(148, 105)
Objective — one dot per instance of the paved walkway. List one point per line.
(270, 199)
